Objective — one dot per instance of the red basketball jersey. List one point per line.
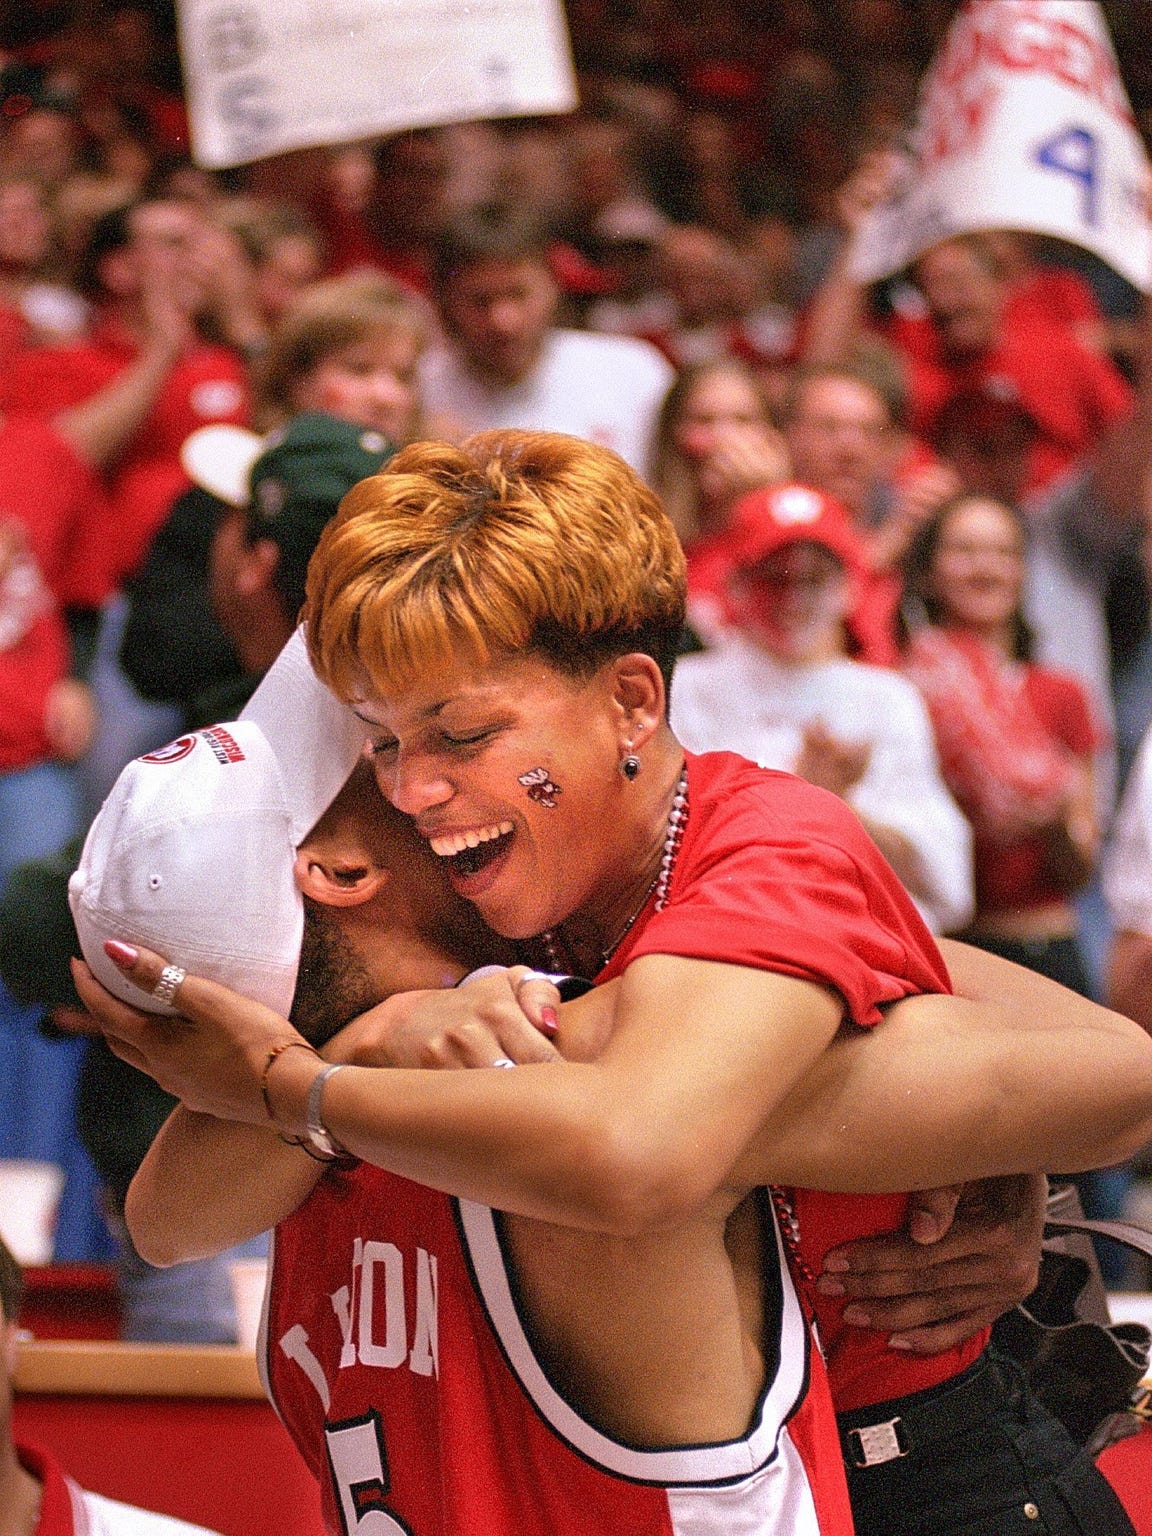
(394, 1352)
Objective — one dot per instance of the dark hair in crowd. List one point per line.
(921, 602)
(112, 231)
(487, 232)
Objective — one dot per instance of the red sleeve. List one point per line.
(43, 381)
(777, 875)
(1051, 296)
(1064, 707)
(48, 488)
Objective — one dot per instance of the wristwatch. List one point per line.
(319, 1139)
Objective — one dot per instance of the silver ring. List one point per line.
(166, 988)
(534, 976)
(502, 1061)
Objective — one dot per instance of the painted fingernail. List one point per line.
(829, 1287)
(835, 1265)
(548, 1021)
(120, 954)
(857, 1317)
(898, 1343)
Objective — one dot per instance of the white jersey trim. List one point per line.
(262, 1363)
(682, 1466)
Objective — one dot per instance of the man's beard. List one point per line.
(333, 986)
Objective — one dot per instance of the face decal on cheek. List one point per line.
(540, 787)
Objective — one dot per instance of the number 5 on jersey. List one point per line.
(359, 1466)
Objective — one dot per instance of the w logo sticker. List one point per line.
(173, 752)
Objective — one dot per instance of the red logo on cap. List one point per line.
(173, 752)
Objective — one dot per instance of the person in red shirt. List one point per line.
(525, 733)
(141, 270)
(973, 334)
(973, 331)
(1017, 741)
(45, 715)
(145, 380)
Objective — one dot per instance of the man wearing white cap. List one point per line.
(209, 846)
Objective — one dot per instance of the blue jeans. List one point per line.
(184, 1304)
(39, 812)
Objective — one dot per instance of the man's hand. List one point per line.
(70, 718)
(741, 457)
(918, 498)
(507, 1015)
(169, 328)
(968, 1255)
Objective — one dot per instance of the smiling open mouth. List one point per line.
(470, 861)
(467, 853)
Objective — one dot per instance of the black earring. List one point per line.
(630, 766)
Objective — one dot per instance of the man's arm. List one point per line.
(208, 1184)
(930, 1289)
(1016, 1075)
(836, 315)
(100, 427)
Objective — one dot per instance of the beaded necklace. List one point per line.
(790, 1232)
(674, 835)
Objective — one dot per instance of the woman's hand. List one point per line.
(741, 457)
(502, 1015)
(212, 1056)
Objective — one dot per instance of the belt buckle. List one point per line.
(875, 1444)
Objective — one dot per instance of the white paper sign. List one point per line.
(1023, 124)
(265, 76)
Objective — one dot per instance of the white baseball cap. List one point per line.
(193, 852)
(219, 459)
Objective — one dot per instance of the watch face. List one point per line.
(322, 1142)
(570, 987)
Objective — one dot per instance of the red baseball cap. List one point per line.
(771, 519)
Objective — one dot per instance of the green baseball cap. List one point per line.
(316, 458)
(313, 462)
(289, 483)
(300, 479)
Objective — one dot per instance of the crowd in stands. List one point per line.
(915, 515)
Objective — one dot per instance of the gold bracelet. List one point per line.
(276, 1051)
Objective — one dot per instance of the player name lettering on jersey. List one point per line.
(377, 1325)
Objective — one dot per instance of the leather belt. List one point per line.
(886, 1432)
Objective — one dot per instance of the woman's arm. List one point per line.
(636, 1138)
(692, 1092)
(207, 1184)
